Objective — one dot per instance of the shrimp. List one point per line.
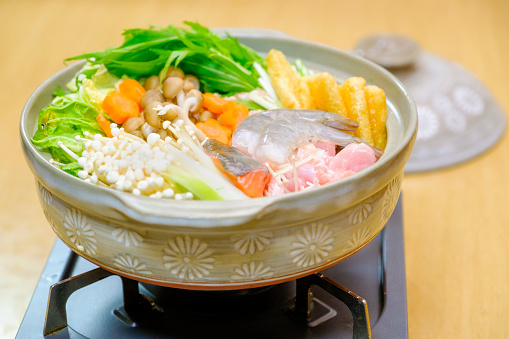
(271, 136)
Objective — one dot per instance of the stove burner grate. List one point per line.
(139, 309)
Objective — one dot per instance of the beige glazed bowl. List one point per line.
(221, 245)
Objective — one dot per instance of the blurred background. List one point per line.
(456, 228)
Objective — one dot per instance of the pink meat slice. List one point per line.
(328, 147)
(325, 166)
(354, 157)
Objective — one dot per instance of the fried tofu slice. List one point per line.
(352, 99)
(352, 93)
(326, 93)
(377, 108)
(289, 86)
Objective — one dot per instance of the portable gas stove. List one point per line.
(88, 302)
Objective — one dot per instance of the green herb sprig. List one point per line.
(222, 64)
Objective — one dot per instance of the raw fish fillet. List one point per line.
(247, 174)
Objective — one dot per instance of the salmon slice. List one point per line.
(247, 174)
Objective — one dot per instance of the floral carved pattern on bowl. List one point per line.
(359, 238)
(188, 258)
(251, 243)
(79, 231)
(49, 218)
(359, 213)
(311, 245)
(251, 271)
(127, 237)
(391, 196)
(131, 264)
(46, 195)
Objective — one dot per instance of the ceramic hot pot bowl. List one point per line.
(224, 245)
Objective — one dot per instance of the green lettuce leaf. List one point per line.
(71, 168)
(63, 122)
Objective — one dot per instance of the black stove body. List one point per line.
(330, 304)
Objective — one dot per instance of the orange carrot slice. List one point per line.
(105, 125)
(119, 107)
(213, 130)
(132, 89)
(213, 103)
(233, 114)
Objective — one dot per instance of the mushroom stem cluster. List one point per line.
(169, 97)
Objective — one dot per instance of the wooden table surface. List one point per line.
(455, 221)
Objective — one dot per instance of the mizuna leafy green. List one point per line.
(222, 64)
